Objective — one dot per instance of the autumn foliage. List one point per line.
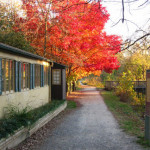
(70, 32)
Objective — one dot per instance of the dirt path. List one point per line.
(89, 127)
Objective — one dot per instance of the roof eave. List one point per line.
(21, 52)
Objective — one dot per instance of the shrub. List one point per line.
(127, 94)
(16, 118)
(125, 88)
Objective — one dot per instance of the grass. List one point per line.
(71, 104)
(43, 110)
(16, 118)
(99, 88)
(128, 119)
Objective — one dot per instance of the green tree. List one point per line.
(7, 35)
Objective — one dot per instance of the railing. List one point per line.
(139, 84)
(110, 85)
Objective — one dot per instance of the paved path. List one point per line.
(91, 127)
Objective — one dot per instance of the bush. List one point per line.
(125, 87)
(127, 94)
(93, 81)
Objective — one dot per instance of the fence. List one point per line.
(139, 86)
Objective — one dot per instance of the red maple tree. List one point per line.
(70, 32)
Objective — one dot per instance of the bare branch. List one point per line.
(122, 11)
(140, 38)
(144, 3)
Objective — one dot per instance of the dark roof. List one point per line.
(59, 65)
(17, 51)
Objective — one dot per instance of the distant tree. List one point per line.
(7, 34)
(16, 39)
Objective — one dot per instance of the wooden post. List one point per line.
(147, 115)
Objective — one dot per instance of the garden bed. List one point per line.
(40, 119)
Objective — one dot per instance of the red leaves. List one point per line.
(73, 30)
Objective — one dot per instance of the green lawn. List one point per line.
(128, 119)
(71, 104)
(124, 113)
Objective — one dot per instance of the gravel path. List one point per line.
(92, 127)
(89, 127)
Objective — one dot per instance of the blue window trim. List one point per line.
(49, 76)
(16, 76)
(41, 70)
(33, 76)
(42, 76)
(19, 76)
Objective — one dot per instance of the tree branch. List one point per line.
(135, 41)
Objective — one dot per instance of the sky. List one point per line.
(138, 17)
(16, 2)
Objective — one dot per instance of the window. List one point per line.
(24, 75)
(56, 76)
(37, 75)
(7, 75)
(3, 75)
(45, 75)
(12, 72)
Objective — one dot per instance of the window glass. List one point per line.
(3, 74)
(27, 76)
(11, 75)
(56, 75)
(37, 75)
(45, 75)
(7, 75)
(21, 75)
(24, 75)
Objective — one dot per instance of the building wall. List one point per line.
(29, 98)
(32, 98)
